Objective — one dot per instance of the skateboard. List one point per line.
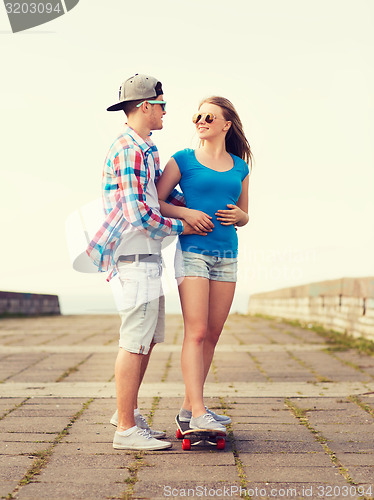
(193, 437)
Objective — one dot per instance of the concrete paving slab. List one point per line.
(293, 460)
(82, 475)
(363, 475)
(207, 455)
(339, 419)
(227, 473)
(43, 411)
(361, 459)
(7, 486)
(255, 446)
(72, 491)
(22, 448)
(12, 463)
(353, 430)
(361, 445)
(90, 448)
(272, 419)
(320, 404)
(35, 424)
(263, 434)
(85, 438)
(293, 474)
(26, 437)
(9, 403)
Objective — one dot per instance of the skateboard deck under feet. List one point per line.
(193, 437)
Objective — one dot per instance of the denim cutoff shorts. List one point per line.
(142, 309)
(205, 266)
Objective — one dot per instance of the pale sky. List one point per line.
(301, 77)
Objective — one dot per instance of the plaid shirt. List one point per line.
(125, 178)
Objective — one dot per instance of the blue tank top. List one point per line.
(208, 190)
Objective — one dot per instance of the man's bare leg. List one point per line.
(127, 374)
(143, 368)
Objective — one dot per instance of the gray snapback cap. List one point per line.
(137, 87)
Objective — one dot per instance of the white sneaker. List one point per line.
(141, 422)
(139, 439)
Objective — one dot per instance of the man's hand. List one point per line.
(200, 221)
(187, 229)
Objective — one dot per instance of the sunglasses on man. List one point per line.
(154, 101)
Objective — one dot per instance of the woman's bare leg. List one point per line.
(194, 296)
(221, 294)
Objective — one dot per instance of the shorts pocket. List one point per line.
(130, 290)
(153, 287)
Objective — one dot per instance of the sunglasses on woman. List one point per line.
(207, 117)
(154, 101)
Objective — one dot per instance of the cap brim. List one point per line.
(119, 105)
(116, 107)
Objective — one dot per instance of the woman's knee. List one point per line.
(213, 335)
(196, 334)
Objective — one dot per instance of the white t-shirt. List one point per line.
(135, 241)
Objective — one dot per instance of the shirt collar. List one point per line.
(144, 145)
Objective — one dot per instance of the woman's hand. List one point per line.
(200, 221)
(235, 216)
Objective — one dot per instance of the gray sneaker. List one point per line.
(206, 422)
(141, 422)
(222, 419)
(139, 439)
(185, 416)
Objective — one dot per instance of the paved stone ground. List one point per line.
(302, 415)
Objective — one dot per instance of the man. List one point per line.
(129, 242)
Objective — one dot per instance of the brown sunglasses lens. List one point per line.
(209, 118)
(196, 117)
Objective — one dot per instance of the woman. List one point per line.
(214, 181)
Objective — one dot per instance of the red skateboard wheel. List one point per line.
(221, 443)
(186, 444)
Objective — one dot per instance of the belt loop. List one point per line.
(137, 260)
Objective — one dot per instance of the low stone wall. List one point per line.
(28, 304)
(345, 305)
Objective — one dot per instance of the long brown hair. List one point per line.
(236, 141)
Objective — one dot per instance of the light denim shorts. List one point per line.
(205, 266)
(142, 306)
